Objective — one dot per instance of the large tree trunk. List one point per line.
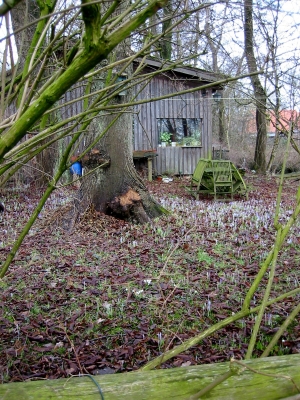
(118, 190)
(259, 92)
(214, 46)
(24, 13)
(166, 42)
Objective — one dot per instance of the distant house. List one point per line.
(186, 117)
(287, 119)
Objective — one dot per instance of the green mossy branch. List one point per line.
(213, 384)
(84, 61)
(8, 5)
(63, 164)
(265, 299)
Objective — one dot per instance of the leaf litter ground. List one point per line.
(110, 296)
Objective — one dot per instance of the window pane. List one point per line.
(182, 130)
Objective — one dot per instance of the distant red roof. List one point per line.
(286, 118)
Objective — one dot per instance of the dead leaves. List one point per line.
(164, 282)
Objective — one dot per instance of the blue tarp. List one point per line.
(76, 168)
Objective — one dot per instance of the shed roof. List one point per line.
(188, 71)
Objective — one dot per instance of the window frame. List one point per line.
(179, 129)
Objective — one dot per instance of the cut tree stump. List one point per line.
(176, 384)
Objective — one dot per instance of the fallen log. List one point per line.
(268, 378)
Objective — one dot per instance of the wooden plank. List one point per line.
(177, 160)
(144, 153)
(150, 169)
(184, 106)
(176, 384)
(289, 175)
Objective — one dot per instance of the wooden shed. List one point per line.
(187, 117)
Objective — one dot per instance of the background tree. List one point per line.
(214, 45)
(259, 91)
(117, 189)
(166, 41)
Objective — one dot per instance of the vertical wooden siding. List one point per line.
(177, 160)
(191, 105)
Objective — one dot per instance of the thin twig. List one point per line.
(73, 349)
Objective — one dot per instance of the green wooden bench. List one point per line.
(219, 178)
(194, 188)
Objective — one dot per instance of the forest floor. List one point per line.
(111, 296)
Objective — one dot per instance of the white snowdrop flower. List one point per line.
(138, 292)
(108, 308)
(208, 305)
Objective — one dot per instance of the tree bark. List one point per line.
(166, 42)
(259, 92)
(118, 190)
(221, 113)
(22, 13)
(214, 46)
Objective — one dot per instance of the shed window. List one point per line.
(186, 131)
